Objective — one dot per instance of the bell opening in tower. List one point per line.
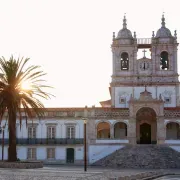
(164, 61)
(124, 61)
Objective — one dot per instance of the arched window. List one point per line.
(164, 61)
(172, 131)
(120, 130)
(124, 61)
(103, 130)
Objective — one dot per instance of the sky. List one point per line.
(71, 40)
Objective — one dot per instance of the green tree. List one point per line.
(17, 101)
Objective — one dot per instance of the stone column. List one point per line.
(132, 131)
(112, 131)
(161, 132)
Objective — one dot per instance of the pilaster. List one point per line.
(161, 132)
(132, 131)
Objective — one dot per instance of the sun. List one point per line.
(25, 85)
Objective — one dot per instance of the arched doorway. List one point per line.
(145, 133)
(146, 126)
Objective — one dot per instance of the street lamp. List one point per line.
(2, 131)
(85, 145)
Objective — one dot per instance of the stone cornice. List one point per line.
(99, 113)
(141, 75)
(117, 84)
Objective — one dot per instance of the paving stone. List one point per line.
(75, 174)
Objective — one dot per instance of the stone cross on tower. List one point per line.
(144, 53)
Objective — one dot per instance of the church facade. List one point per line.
(144, 107)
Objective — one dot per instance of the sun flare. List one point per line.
(25, 85)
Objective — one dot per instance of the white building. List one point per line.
(143, 109)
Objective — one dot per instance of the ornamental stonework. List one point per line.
(112, 113)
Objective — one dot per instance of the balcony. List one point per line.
(144, 43)
(45, 141)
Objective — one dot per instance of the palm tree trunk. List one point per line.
(12, 154)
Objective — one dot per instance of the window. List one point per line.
(120, 130)
(103, 130)
(124, 61)
(167, 100)
(50, 153)
(51, 132)
(31, 132)
(122, 100)
(164, 62)
(70, 131)
(31, 153)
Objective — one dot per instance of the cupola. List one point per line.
(124, 33)
(163, 32)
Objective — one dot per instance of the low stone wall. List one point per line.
(21, 164)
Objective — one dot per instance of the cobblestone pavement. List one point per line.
(169, 178)
(65, 173)
(48, 174)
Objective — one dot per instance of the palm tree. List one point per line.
(17, 101)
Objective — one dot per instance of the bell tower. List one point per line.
(124, 50)
(159, 73)
(164, 55)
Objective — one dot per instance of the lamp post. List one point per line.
(2, 131)
(85, 145)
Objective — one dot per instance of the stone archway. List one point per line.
(103, 130)
(172, 131)
(120, 130)
(146, 126)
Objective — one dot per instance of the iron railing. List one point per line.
(144, 41)
(45, 141)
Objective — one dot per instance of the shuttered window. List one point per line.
(51, 132)
(31, 132)
(31, 153)
(50, 153)
(70, 131)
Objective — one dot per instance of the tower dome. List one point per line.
(124, 32)
(163, 32)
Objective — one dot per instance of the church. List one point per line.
(144, 107)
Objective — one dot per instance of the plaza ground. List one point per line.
(71, 173)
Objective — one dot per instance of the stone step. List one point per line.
(142, 156)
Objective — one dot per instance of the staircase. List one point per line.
(142, 156)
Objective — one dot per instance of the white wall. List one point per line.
(41, 128)
(97, 152)
(41, 132)
(22, 152)
(177, 148)
(165, 91)
(5, 153)
(41, 152)
(103, 141)
(172, 141)
(79, 153)
(61, 153)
